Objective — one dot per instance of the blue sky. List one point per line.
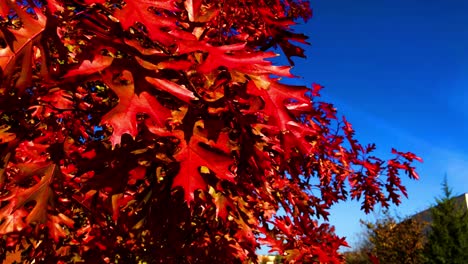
(398, 71)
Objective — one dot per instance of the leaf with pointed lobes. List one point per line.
(13, 222)
(234, 57)
(139, 11)
(407, 155)
(295, 137)
(87, 67)
(198, 156)
(6, 136)
(25, 39)
(275, 98)
(55, 223)
(284, 224)
(316, 88)
(285, 44)
(54, 102)
(245, 232)
(123, 117)
(41, 193)
(291, 50)
(176, 90)
(222, 202)
(270, 240)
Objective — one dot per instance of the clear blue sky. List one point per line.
(398, 70)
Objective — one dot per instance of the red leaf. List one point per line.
(118, 202)
(54, 6)
(296, 138)
(90, 2)
(275, 98)
(25, 39)
(135, 174)
(407, 155)
(221, 202)
(13, 222)
(88, 67)
(257, 146)
(285, 225)
(316, 89)
(41, 193)
(6, 136)
(123, 117)
(177, 90)
(373, 258)
(139, 11)
(234, 57)
(195, 155)
(4, 8)
(193, 8)
(55, 101)
(55, 226)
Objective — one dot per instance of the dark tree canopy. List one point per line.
(157, 131)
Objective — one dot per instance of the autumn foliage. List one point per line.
(158, 131)
(393, 240)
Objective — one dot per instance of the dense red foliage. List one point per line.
(158, 131)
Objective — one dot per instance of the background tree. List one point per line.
(158, 132)
(357, 256)
(448, 235)
(393, 240)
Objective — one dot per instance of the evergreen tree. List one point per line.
(448, 236)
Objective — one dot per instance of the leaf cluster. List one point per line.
(159, 131)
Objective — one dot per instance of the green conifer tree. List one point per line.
(448, 236)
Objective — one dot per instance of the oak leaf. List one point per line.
(139, 11)
(178, 91)
(123, 117)
(88, 67)
(25, 39)
(41, 193)
(197, 156)
(275, 97)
